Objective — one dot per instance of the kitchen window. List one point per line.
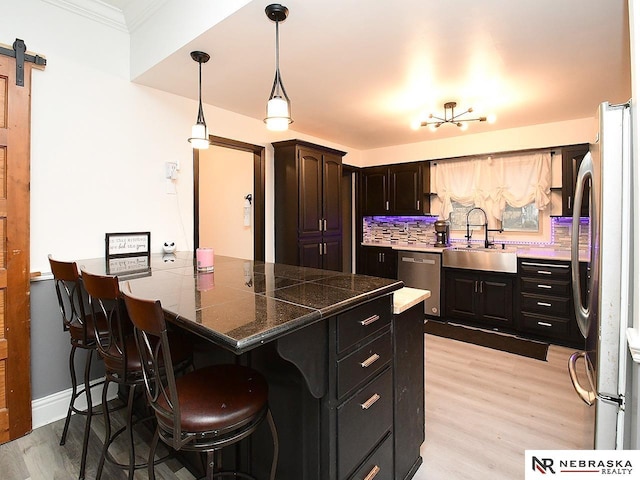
(514, 219)
(511, 189)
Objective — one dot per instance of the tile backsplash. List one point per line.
(398, 229)
(420, 230)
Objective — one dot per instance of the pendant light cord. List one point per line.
(200, 118)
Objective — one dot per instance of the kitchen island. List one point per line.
(345, 372)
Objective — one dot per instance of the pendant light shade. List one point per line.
(199, 132)
(279, 105)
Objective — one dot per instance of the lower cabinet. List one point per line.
(483, 298)
(378, 262)
(379, 392)
(545, 301)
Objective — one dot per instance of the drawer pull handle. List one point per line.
(544, 272)
(553, 265)
(544, 304)
(370, 320)
(545, 324)
(374, 471)
(369, 361)
(369, 403)
(544, 286)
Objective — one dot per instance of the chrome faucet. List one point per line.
(487, 243)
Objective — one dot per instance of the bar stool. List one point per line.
(204, 410)
(83, 329)
(119, 352)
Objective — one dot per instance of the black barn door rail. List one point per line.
(19, 53)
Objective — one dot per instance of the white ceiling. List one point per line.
(358, 72)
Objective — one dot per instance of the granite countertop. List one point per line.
(245, 303)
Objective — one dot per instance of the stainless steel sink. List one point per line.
(480, 258)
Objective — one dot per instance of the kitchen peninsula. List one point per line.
(343, 363)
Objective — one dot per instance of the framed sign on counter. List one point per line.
(127, 252)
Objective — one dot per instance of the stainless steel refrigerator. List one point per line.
(603, 305)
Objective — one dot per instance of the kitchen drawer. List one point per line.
(546, 286)
(546, 305)
(543, 325)
(555, 270)
(363, 364)
(360, 322)
(379, 466)
(363, 421)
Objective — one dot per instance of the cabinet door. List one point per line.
(460, 294)
(332, 252)
(571, 158)
(405, 181)
(310, 252)
(379, 262)
(375, 191)
(495, 299)
(309, 192)
(332, 194)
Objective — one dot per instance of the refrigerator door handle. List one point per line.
(583, 315)
(587, 396)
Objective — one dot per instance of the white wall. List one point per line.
(535, 136)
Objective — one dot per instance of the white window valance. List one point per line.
(492, 183)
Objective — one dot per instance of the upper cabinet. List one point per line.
(400, 189)
(308, 227)
(571, 158)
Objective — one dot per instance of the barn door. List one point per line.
(15, 385)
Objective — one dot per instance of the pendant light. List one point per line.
(279, 105)
(199, 132)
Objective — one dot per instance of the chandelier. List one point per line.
(434, 122)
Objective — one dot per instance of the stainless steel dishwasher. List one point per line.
(422, 270)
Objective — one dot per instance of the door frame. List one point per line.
(258, 192)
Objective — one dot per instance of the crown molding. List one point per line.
(136, 13)
(94, 10)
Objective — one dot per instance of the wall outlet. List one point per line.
(171, 169)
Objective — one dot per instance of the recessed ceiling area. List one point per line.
(359, 72)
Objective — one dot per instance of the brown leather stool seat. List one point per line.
(218, 398)
(204, 410)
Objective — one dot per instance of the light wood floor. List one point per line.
(483, 409)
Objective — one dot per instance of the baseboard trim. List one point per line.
(53, 407)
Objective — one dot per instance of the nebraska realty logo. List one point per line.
(581, 464)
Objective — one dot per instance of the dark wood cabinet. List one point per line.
(395, 189)
(571, 159)
(378, 262)
(308, 225)
(545, 301)
(482, 298)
